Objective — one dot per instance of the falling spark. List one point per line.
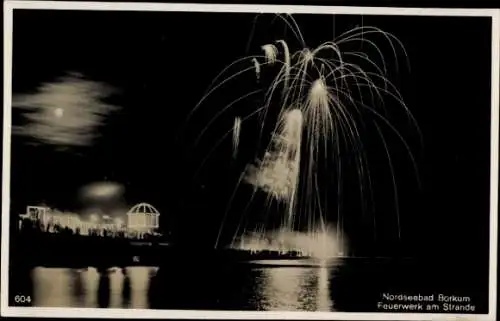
(286, 65)
(257, 68)
(236, 135)
(271, 53)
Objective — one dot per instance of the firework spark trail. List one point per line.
(222, 111)
(242, 176)
(216, 85)
(257, 68)
(236, 135)
(286, 66)
(271, 53)
(222, 138)
(321, 107)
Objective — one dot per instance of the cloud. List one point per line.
(66, 112)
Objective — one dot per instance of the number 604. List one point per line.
(22, 299)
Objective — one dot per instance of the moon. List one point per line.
(59, 112)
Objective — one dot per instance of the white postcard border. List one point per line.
(9, 6)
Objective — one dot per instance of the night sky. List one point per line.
(159, 66)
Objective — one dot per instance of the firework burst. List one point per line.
(322, 97)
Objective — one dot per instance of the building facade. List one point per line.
(143, 217)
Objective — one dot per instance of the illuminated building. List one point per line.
(70, 220)
(36, 213)
(143, 217)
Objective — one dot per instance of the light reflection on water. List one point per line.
(115, 288)
(293, 289)
(279, 288)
